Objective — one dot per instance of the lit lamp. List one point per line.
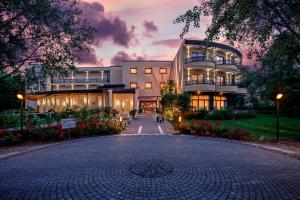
(179, 119)
(278, 98)
(121, 118)
(21, 98)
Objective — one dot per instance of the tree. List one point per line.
(50, 32)
(9, 88)
(254, 23)
(172, 102)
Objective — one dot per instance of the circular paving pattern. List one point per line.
(150, 167)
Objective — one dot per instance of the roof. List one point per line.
(214, 44)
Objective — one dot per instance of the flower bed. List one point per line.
(204, 128)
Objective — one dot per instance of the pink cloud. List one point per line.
(172, 43)
(120, 56)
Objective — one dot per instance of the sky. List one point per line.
(136, 29)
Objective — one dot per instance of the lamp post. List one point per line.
(278, 98)
(21, 98)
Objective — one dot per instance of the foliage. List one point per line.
(200, 114)
(171, 102)
(221, 114)
(9, 88)
(51, 32)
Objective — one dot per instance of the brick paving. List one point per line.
(150, 167)
(149, 126)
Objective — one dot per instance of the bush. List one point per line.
(245, 115)
(44, 134)
(132, 113)
(201, 114)
(221, 114)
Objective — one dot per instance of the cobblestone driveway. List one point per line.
(150, 167)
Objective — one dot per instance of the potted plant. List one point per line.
(132, 113)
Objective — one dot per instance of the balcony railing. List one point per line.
(91, 80)
(225, 62)
(209, 59)
(195, 82)
(225, 84)
(198, 59)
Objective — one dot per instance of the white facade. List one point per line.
(209, 74)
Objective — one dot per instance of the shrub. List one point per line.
(201, 114)
(245, 115)
(132, 113)
(221, 114)
(184, 129)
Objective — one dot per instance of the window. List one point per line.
(162, 85)
(199, 102)
(148, 85)
(220, 102)
(148, 70)
(220, 60)
(197, 54)
(133, 70)
(133, 85)
(163, 70)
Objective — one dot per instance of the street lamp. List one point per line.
(278, 98)
(21, 98)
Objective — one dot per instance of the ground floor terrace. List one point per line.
(124, 100)
(147, 162)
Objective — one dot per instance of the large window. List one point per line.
(163, 70)
(199, 102)
(220, 102)
(148, 85)
(133, 70)
(133, 85)
(220, 60)
(148, 70)
(197, 54)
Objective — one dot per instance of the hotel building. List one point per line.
(210, 74)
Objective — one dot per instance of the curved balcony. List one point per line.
(226, 87)
(228, 65)
(199, 61)
(194, 85)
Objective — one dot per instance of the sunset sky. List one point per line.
(136, 29)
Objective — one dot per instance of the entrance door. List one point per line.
(148, 106)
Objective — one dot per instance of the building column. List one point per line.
(136, 99)
(110, 98)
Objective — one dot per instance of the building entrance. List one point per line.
(148, 106)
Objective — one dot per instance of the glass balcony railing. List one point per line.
(225, 62)
(198, 59)
(195, 82)
(209, 59)
(90, 80)
(225, 84)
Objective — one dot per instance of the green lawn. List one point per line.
(265, 125)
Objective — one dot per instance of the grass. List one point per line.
(264, 126)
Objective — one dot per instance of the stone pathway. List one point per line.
(145, 124)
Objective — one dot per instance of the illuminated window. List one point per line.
(220, 102)
(162, 85)
(133, 70)
(148, 70)
(148, 85)
(199, 102)
(133, 85)
(163, 70)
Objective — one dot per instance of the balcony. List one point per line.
(226, 87)
(197, 61)
(80, 81)
(203, 85)
(228, 65)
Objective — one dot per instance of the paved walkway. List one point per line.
(145, 124)
(150, 167)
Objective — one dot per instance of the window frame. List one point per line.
(146, 84)
(133, 68)
(147, 68)
(163, 68)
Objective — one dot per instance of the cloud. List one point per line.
(107, 26)
(172, 43)
(120, 56)
(149, 27)
(89, 57)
